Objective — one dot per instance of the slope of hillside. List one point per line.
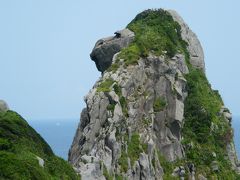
(25, 155)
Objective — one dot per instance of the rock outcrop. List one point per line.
(3, 106)
(105, 48)
(195, 49)
(133, 126)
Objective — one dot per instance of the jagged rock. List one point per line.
(232, 155)
(91, 171)
(105, 48)
(194, 48)
(179, 172)
(145, 167)
(226, 114)
(3, 106)
(135, 113)
(166, 126)
(192, 171)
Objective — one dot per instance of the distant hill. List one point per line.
(24, 154)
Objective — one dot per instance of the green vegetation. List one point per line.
(20, 145)
(159, 104)
(155, 32)
(205, 132)
(131, 54)
(123, 103)
(147, 122)
(134, 149)
(117, 90)
(122, 100)
(123, 162)
(105, 85)
(202, 108)
(114, 67)
(119, 177)
(168, 167)
(106, 174)
(111, 107)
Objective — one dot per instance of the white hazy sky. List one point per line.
(45, 67)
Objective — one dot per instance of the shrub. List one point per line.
(159, 104)
(134, 149)
(123, 162)
(202, 107)
(106, 174)
(105, 86)
(155, 32)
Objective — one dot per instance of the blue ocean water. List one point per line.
(58, 134)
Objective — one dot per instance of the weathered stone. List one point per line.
(145, 167)
(40, 161)
(105, 48)
(3, 106)
(214, 166)
(194, 48)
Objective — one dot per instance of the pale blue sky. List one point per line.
(45, 45)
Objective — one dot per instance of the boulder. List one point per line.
(104, 50)
(40, 161)
(3, 106)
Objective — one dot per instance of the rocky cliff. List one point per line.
(153, 114)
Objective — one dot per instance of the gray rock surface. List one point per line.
(105, 48)
(127, 108)
(141, 86)
(40, 161)
(3, 106)
(195, 49)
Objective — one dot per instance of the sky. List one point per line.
(45, 67)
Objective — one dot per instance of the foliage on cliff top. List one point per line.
(20, 145)
(155, 32)
(205, 131)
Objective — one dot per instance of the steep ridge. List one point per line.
(24, 154)
(153, 114)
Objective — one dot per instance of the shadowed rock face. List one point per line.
(105, 48)
(3, 106)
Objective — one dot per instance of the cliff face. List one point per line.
(153, 114)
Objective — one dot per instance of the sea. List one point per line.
(59, 134)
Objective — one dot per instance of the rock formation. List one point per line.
(105, 48)
(148, 115)
(3, 106)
